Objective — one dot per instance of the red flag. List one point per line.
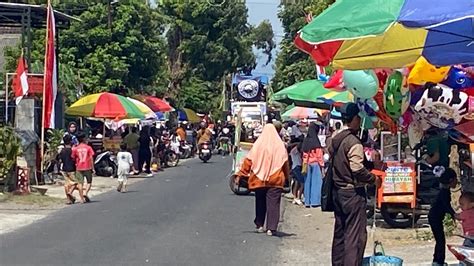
(50, 76)
(20, 83)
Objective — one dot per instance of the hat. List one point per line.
(349, 110)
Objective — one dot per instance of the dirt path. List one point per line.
(310, 238)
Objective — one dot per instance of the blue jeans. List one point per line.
(312, 186)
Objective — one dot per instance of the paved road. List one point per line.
(183, 216)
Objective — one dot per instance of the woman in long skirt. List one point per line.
(266, 168)
(313, 157)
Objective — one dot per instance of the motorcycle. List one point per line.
(205, 152)
(464, 254)
(224, 145)
(168, 156)
(105, 164)
(185, 150)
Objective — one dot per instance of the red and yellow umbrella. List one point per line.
(156, 104)
(105, 105)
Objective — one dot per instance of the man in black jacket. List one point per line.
(350, 177)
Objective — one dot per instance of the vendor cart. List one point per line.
(248, 117)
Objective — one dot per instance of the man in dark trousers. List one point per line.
(350, 176)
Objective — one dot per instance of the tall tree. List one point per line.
(206, 41)
(292, 65)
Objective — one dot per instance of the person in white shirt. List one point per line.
(296, 168)
(125, 161)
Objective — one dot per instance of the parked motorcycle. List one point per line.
(185, 150)
(205, 152)
(464, 254)
(105, 164)
(167, 154)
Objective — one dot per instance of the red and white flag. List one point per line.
(20, 83)
(50, 75)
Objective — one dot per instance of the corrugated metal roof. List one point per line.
(11, 15)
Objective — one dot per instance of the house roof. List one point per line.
(16, 15)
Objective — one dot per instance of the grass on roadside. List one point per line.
(30, 199)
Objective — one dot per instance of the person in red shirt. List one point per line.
(466, 202)
(83, 155)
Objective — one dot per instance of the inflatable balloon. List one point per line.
(335, 82)
(442, 106)
(361, 83)
(323, 77)
(470, 113)
(396, 95)
(424, 72)
(458, 79)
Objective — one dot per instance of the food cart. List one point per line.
(249, 118)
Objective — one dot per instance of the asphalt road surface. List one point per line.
(183, 216)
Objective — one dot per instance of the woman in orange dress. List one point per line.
(266, 168)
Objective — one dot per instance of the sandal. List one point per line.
(87, 199)
(71, 199)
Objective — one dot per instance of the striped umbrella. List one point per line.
(311, 94)
(105, 105)
(156, 104)
(355, 34)
(187, 114)
(297, 112)
(149, 114)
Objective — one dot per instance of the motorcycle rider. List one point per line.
(204, 134)
(225, 135)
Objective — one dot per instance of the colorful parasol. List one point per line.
(188, 115)
(311, 94)
(155, 104)
(297, 112)
(354, 34)
(149, 114)
(105, 105)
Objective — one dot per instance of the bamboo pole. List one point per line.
(44, 91)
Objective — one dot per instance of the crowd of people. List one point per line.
(141, 151)
(308, 152)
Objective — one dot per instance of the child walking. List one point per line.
(296, 168)
(125, 160)
(439, 209)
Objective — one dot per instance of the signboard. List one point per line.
(35, 85)
(398, 184)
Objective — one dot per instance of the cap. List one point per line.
(349, 110)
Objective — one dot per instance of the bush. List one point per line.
(10, 148)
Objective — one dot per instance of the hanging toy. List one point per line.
(424, 72)
(442, 106)
(361, 83)
(396, 95)
(335, 82)
(459, 79)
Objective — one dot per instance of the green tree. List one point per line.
(205, 42)
(293, 65)
(127, 54)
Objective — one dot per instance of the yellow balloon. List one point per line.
(424, 72)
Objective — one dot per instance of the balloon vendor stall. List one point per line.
(419, 101)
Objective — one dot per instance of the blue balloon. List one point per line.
(323, 77)
(458, 79)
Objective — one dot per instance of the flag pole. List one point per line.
(44, 89)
